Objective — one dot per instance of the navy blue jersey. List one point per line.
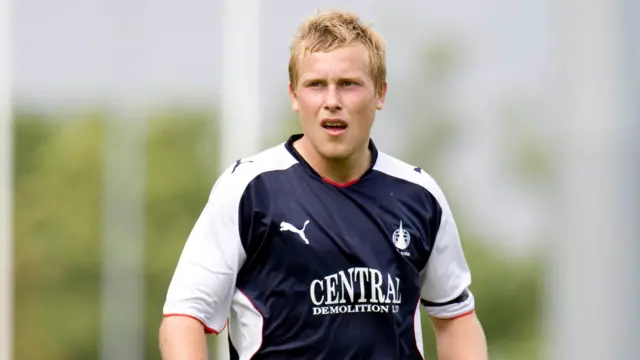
(303, 268)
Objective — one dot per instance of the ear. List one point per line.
(380, 97)
(293, 98)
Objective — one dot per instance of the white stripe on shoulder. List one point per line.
(399, 169)
(236, 177)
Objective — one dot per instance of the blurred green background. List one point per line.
(532, 105)
(58, 228)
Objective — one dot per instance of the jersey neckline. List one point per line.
(292, 150)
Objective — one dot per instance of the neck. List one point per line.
(341, 171)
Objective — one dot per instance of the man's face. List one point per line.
(336, 100)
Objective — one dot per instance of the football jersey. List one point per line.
(300, 267)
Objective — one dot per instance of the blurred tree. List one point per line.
(507, 291)
(182, 165)
(432, 127)
(57, 223)
(531, 157)
(32, 131)
(57, 202)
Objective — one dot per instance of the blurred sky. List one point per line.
(64, 50)
(70, 52)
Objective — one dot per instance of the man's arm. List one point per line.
(445, 290)
(201, 291)
(460, 338)
(182, 337)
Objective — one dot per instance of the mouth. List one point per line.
(334, 126)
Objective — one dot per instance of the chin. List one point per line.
(335, 151)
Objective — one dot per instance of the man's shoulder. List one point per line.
(397, 168)
(238, 175)
(271, 159)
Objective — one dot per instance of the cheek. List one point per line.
(309, 99)
(307, 113)
(308, 107)
(363, 108)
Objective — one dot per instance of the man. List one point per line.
(323, 247)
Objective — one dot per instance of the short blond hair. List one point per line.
(326, 31)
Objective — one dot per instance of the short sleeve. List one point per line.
(203, 283)
(446, 276)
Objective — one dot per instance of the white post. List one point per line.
(123, 221)
(240, 134)
(594, 278)
(6, 185)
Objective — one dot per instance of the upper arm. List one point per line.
(203, 283)
(446, 277)
(182, 338)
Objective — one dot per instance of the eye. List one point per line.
(315, 83)
(348, 83)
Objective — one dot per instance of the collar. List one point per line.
(292, 150)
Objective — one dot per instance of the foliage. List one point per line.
(507, 302)
(57, 224)
(507, 291)
(57, 203)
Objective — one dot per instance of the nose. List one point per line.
(333, 102)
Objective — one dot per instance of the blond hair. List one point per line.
(326, 31)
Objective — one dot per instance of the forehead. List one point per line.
(350, 60)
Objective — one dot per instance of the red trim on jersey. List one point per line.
(461, 315)
(207, 330)
(348, 183)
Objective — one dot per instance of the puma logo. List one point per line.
(285, 226)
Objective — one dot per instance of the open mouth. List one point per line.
(334, 125)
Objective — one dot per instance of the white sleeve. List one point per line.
(203, 283)
(446, 276)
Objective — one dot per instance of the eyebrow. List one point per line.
(354, 78)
